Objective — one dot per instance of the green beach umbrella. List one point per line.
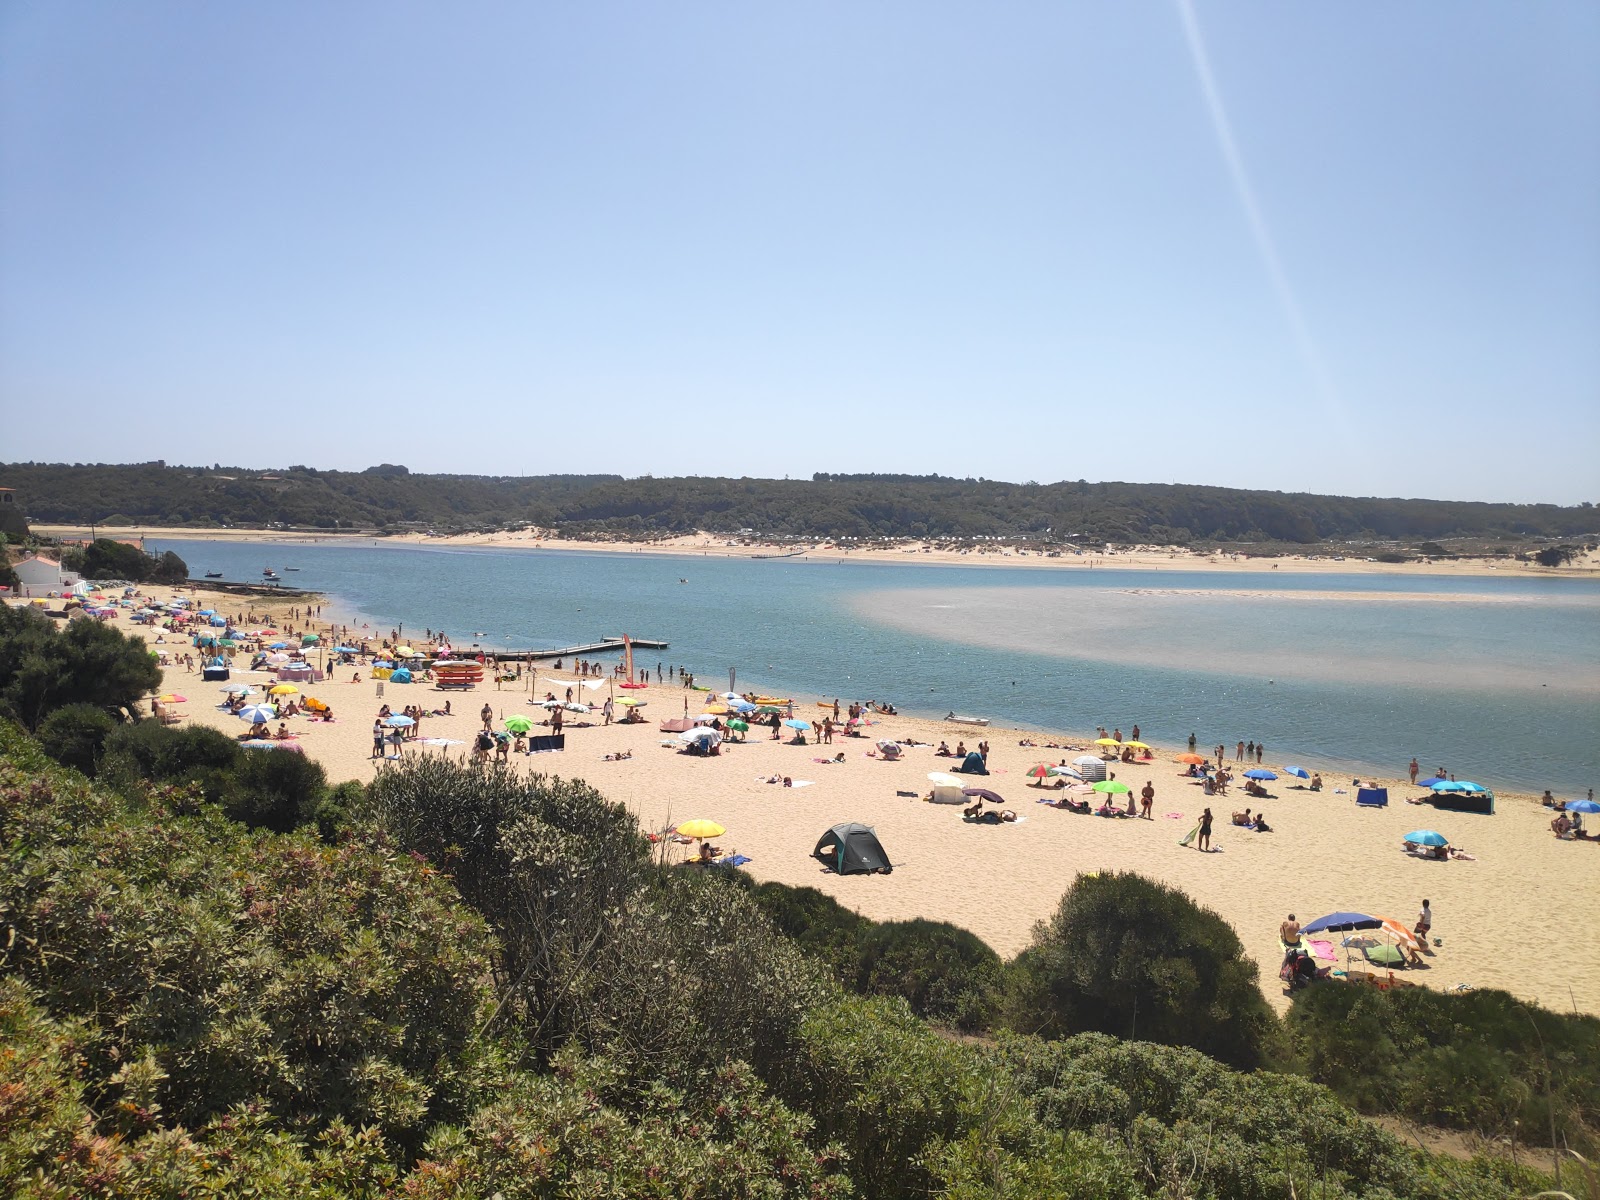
(1110, 787)
(740, 726)
(518, 724)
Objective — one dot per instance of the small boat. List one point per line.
(966, 720)
(291, 568)
(213, 574)
(269, 573)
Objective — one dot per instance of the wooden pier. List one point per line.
(600, 647)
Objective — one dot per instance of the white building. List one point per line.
(40, 576)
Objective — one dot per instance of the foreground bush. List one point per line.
(1481, 1061)
(75, 736)
(1128, 956)
(219, 967)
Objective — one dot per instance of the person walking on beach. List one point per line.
(1147, 797)
(1424, 924)
(1412, 770)
(1203, 843)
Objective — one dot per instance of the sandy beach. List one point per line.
(1324, 560)
(1503, 918)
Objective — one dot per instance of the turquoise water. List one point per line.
(1496, 679)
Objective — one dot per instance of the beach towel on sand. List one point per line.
(1189, 837)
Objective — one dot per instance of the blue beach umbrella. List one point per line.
(1431, 780)
(741, 706)
(257, 714)
(1583, 806)
(1426, 837)
(1343, 922)
(1298, 772)
(1260, 773)
(797, 723)
(1453, 785)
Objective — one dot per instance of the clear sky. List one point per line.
(1320, 247)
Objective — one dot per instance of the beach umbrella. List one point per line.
(1452, 785)
(1431, 780)
(768, 709)
(1260, 773)
(940, 779)
(1582, 806)
(1087, 760)
(1342, 922)
(891, 749)
(518, 724)
(1109, 787)
(984, 794)
(308, 639)
(382, 664)
(797, 723)
(1060, 769)
(208, 612)
(740, 726)
(1040, 771)
(717, 710)
(731, 696)
(1193, 759)
(630, 702)
(700, 735)
(172, 698)
(239, 689)
(257, 714)
(1107, 742)
(701, 828)
(1426, 837)
(1297, 772)
(278, 646)
(1136, 745)
(705, 718)
(575, 707)
(346, 650)
(283, 689)
(399, 722)
(741, 706)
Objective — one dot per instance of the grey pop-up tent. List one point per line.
(852, 849)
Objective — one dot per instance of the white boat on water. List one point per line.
(966, 720)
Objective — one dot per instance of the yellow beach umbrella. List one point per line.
(717, 710)
(701, 828)
(1136, 745)
(1107, 742)
(284, 689)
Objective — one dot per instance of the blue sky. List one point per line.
(1347, 249)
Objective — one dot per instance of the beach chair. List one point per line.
(1372, 798)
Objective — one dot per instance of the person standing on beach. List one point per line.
(487, 716)
(1424, 924)
(1412, 770)
(1192, 742)
(1147, 798)
(1238, 753)
(1249, 750)
(1261, 748)
(377, 739)
(607, 709)
(1204, 841)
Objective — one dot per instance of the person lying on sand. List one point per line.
(619, 756)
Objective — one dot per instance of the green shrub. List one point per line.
(1480, 1060)
(943, 972)
(275, 789)
(219, 967)
(1131, 957)
(150, 752)
(43, 668)
(75, 735)
(818, 924)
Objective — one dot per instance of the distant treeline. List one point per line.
(861, 506)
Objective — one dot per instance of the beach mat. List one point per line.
(1188, 838)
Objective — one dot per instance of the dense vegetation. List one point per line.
(106, 558)
(862, 506)
(457, 982)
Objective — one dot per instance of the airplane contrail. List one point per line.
(1252, 210)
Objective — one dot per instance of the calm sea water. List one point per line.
(1496, 679)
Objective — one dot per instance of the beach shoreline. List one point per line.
(1324, 853)
(716, 545)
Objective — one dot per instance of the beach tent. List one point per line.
(852, 849)
(1090, 768)
(1373, 797)
(401, 675)
(972, 765)
(945, 794)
